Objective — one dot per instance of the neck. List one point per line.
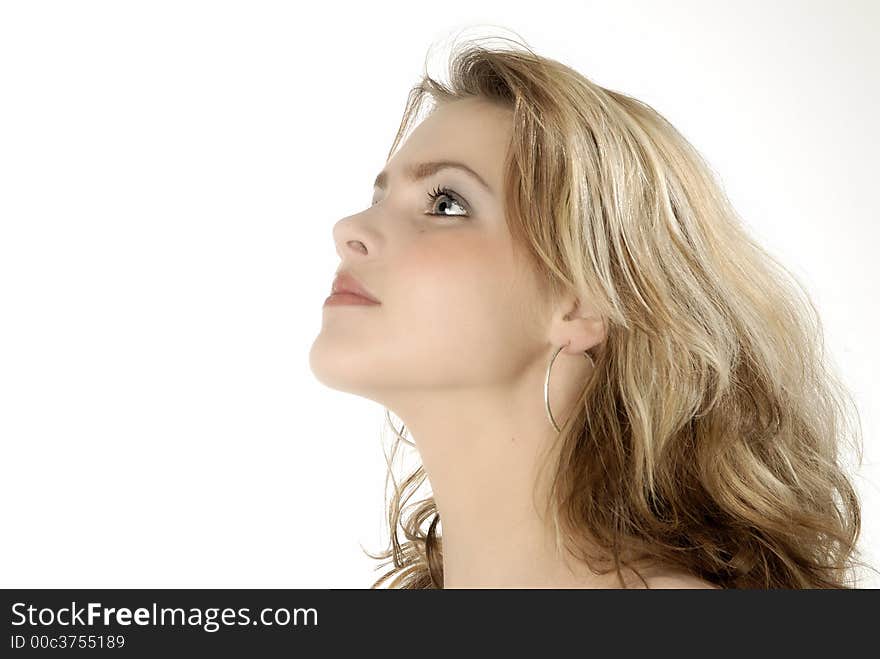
(483, 452)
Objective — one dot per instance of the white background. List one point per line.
(169, 176)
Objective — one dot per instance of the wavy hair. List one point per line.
(708, 435)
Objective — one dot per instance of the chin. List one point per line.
(336, 369)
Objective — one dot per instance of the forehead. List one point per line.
(473, 131)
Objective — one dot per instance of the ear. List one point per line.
(576, 328)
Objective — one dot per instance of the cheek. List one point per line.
(461, 295)
(452, 274)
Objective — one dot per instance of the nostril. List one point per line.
(362, 247)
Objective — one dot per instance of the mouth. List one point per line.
(347, 289)
(345, 297)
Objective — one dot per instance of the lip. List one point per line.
(347, 289)
(348, 298)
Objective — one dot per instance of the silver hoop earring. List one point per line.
(547, 384)
(397, 432)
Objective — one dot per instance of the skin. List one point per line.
(458, 350)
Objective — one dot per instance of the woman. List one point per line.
(608, 382)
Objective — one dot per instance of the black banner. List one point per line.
(255, 622)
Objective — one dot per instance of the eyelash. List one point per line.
(443, 191)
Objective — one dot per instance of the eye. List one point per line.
(451, 199)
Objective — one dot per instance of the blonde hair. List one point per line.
(708, 434)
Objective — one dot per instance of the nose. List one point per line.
(351, 237)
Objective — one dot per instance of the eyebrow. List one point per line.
(421, 170)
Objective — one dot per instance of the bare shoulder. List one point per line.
(641, 575)
(679, 581)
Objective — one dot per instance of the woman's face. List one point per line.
(459, 308)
